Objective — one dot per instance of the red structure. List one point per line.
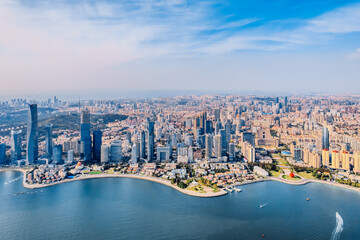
(292, 175)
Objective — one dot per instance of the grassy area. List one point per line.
(306, 175)
(296, 178)
(95, 172)
(274, 173)
(198, 188)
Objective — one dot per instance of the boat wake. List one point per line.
(263, 205)
(338, 228)
(11, 181)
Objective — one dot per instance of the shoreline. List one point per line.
(222, 192)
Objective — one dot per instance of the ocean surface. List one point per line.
(121, 208)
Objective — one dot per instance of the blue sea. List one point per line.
(121, 208)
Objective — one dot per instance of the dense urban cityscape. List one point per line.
(202, 145)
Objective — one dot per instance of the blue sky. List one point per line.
(294, 46)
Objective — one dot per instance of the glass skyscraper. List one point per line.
(85, 137)
(15, 146)
(325, 138)
(150, 145)
(48, 141)
(32, 135)
(97, 141)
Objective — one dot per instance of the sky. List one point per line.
(88, 46)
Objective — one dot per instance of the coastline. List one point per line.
(184, 191)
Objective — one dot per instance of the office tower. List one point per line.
(70, 158)
(188, 140)
(128, 137)
(97, 141)
(203, 118)
(150, 144)
(208, 146)
(217, 127)
(85, 137)
(2, 153)
(191, 154)
(134, 153)
(228, 132)
(173, 140)
(277, 100)
(325, 138)
(15, 146)
(231, 151)
(104, 153)
(48, 141)
(285, 101)
(57, 153)
(218, 146)
(196, 126)
(224, 143)
(217, 114)
(32, 135)
(142, 145)
(208, 126)
(116, 151)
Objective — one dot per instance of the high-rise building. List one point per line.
(224, 143)
(208, 146)
(97, 141)
(142, 145)
(228, 132)
(2, 153)
(48, 141)
(32, 135)
(134, 153)
(70, 157)
(208, 126)
(217, 127)
(325, 138)
(116, 151)
(57, 153)
(231, 151)
(15, 146)
(150, 144)
(217, 114)
(85, 137)
(104, 153)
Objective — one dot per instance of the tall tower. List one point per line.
(150, 144)
(48, 141)
(116, 151)
(97, 141)
(208, 146)
(32, 135)
(325, 138)
(85, 135)
(15, 146)
(142, 145)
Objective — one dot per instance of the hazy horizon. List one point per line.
(50, 47)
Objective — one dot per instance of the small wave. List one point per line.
(338, 228)
(11, 181)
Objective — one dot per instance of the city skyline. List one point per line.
(89, 46)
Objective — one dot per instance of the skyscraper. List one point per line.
(85, 135)
(2, 153)
(142, 145)
(104, 153)
(208, 146)
(134, 153)
(325, 138)
(116, 151)
(32, 135)
(15, 146)
(97, 141)
(150, 144)
(48, 141)
(57, 153)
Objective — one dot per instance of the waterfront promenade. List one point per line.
(221, 192)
